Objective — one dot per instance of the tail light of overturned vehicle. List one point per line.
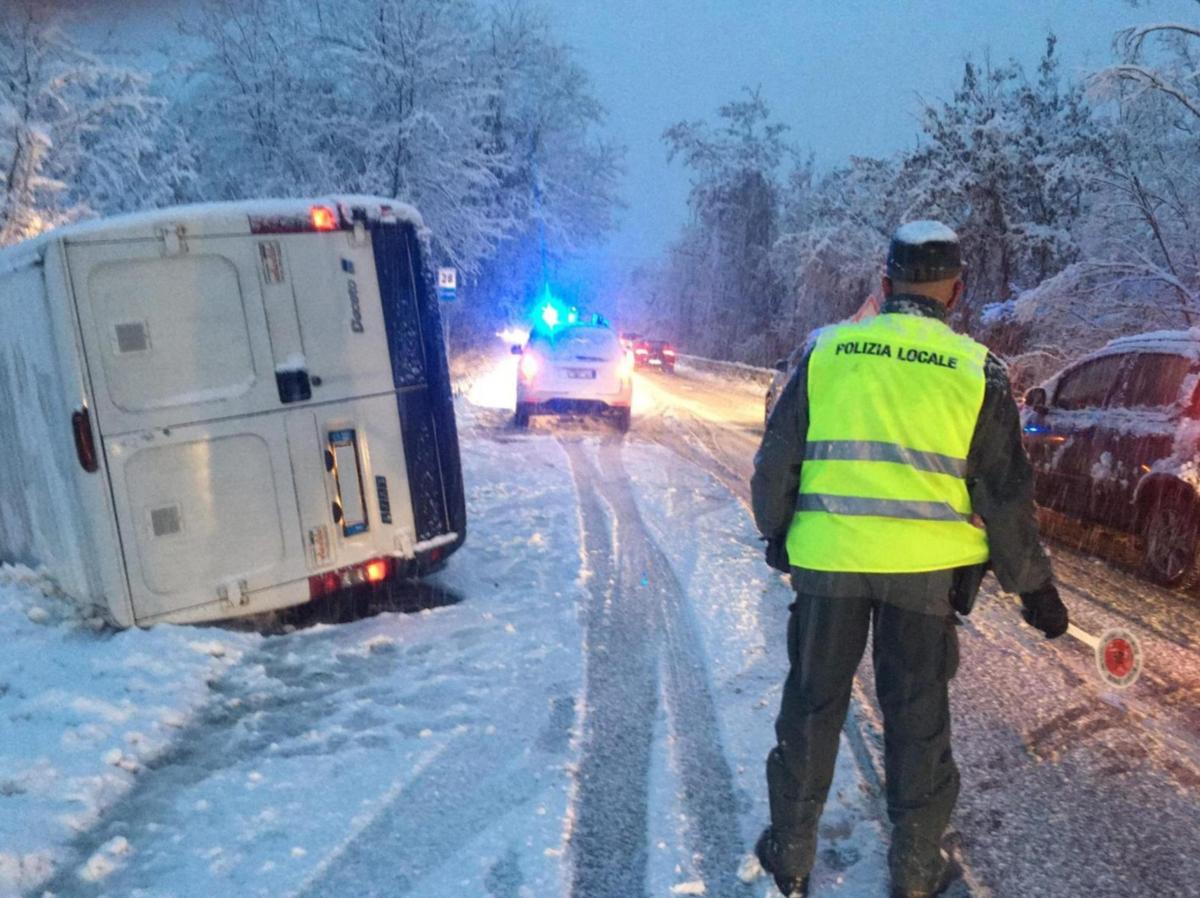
(370, 572)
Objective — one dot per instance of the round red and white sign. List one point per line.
(1119, 658)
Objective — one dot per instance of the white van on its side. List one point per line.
(219, 410)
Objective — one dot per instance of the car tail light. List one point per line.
(374, 571)
(85, 443)
(625, 369)
(670, 352)
(642, 351)
(530, 366)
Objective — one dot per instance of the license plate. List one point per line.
(581, 373)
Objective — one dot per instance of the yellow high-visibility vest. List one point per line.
(893, 403)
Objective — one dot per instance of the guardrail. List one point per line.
(751, 373)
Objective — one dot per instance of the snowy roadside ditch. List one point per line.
(83, 712)
(425, 754)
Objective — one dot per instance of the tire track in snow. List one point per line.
(706, 781)
(609, 848)
(637, 583)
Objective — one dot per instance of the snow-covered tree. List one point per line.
(77, 136)
(730, 295)
(1008, 162)
(562, 175)
(1150, 191)
(473, 113)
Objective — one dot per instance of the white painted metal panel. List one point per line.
(336, 291)
(208, 513)
(173, 339)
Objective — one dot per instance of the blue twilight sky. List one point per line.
(845, 76)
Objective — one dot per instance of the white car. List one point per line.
(580, 369)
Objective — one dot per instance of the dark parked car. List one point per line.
(1115, 440)
(654, 354)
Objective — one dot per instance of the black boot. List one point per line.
(767, 851)
(951, 874)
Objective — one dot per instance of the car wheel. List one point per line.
(521, 418)
(624, 419)
(1169, 541)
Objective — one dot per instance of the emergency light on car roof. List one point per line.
(551, 313)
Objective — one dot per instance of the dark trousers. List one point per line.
(915, 656)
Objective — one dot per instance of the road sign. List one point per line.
(447, 284)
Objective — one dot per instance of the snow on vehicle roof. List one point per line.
(196, 214)
(917, 232)
(1182, 343)
(1185, 343)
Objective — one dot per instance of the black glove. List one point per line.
(1045, 611)
(777, 556)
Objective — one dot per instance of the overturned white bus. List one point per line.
(214, 411)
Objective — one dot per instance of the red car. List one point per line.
(654, 354)
(1115, 441)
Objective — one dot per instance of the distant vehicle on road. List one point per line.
(656, 354)
(580, 369)
(1115, 440)
(628, 338)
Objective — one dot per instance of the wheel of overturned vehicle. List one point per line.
(521, 417)
(1169, 544)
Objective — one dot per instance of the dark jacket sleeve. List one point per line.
(777, 463)
(1000, 481)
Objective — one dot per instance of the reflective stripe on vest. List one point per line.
(869, 450)
(893, 403)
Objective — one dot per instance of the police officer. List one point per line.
(890, 477)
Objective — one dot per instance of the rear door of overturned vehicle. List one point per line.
(263, 407)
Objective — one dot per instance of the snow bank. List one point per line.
(83, 711)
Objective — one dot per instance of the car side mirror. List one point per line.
(1036, 400)
(516, 350)
(781, 366)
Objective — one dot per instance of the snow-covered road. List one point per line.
(582, 712)
(1069, 788)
